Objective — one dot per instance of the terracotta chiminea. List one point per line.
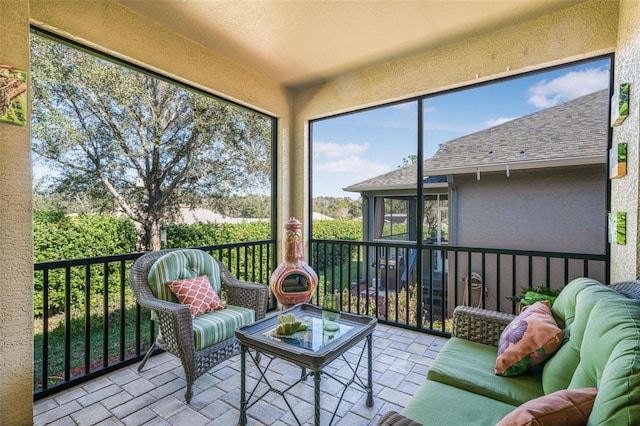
(293, 281)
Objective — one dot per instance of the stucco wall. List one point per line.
(624, 191)
(551, 210)
(584, 30)
(16, 243)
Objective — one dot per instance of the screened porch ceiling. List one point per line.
(297, 42)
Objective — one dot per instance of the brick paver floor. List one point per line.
(155, 396)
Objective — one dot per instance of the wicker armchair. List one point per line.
(176, 329)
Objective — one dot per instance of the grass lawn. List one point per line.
(95, 351)
(340, 277)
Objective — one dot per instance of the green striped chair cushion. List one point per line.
(214, 327)
(180, 265)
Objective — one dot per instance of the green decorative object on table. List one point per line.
(288, 325)
(331, 313)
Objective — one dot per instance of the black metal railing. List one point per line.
(381, 278)
(87, 322)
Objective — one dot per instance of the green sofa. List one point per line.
(601, 348)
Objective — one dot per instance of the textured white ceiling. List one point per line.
(297, 42)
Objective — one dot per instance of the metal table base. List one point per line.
(248, 402)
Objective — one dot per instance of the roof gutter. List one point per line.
(519, 165)
(492, 167)
(395, 187)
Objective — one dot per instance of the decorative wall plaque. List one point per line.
(618, 228)
(618, 161)
(620, 104)
(13, 95)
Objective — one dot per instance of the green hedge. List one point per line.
(207, 234)
(329, 256)
(249, 263)
(338, 229)
(60, 237)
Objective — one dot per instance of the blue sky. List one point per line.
(351, 148)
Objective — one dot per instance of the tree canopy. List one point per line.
(137, 144)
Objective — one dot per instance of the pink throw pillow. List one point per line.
(198, 294)
(564, 407)
(528, 340)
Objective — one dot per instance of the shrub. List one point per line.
(59, 237)
(531, 296)
(331, 255)
(338, 229)
(208, 234)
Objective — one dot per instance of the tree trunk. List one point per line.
(152, 231)
(155, 241)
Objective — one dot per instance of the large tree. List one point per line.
(137, 143)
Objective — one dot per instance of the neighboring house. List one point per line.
(320, 216)
(189, 216)
(534, 183)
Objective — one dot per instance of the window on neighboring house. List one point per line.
(436, 218)
(393, 216)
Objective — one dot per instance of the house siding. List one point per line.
(562, 209)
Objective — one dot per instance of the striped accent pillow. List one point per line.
(198, 294)
(214, 327)
(180, 265)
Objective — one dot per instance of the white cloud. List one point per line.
(330, 157)
(330, 177)
(495, 121)
(354, 166)
(569, 86)
(409, 107)
(337, 166)
(334, 150)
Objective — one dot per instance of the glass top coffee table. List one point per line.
(311, 349)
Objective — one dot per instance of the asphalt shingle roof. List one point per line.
(574, 132)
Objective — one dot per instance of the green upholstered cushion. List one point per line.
(610, 361)
(470, 366)
(179, 265)
(214, 327)
(437, 404)
(572, 310)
